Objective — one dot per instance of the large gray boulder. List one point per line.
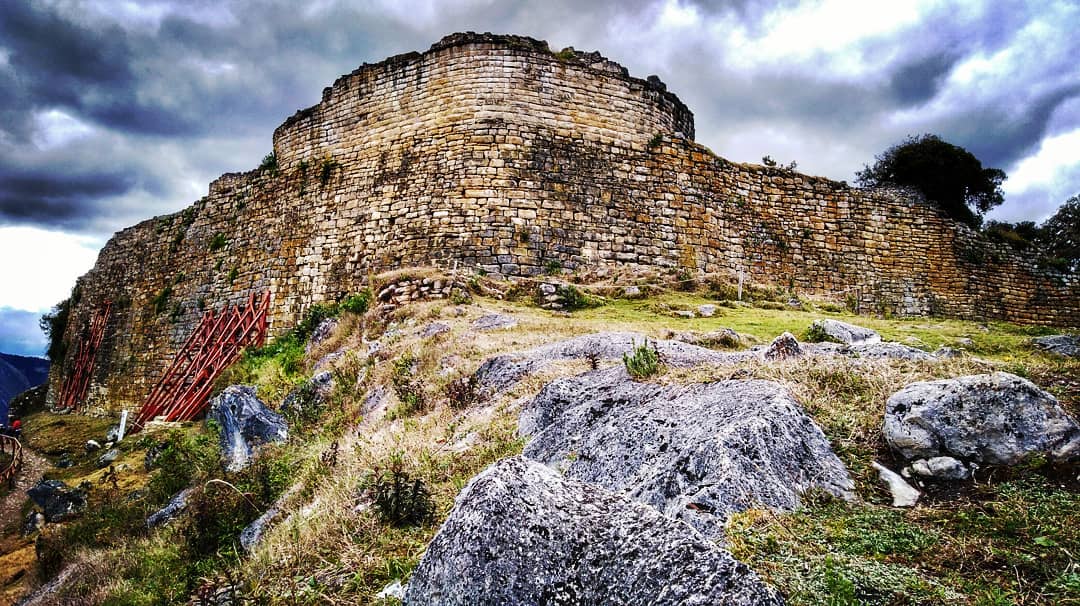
(522, 534)
(842, 332)
(995, 419)
(245, 423)
(695, 452)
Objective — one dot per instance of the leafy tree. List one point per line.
(1060, 235)
(1020, 236)
(946, 174)
(54, 324)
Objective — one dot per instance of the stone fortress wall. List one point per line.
(491, 152)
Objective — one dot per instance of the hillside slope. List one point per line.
(17, 374)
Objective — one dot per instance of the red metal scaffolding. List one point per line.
(73, 391)
(183, 391)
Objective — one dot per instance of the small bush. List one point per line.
(218, 242)
(358, 303)
(326, 170)
(407, 387)
(400, 499)
(233, 273)
(269, 164)
(643, 362)
(161, 300)
(573, 298)
(553, 267)
(656, 141)
(816, 334)
(462, 392)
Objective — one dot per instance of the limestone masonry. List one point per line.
(493, 152)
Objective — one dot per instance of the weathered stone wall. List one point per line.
(491, 152)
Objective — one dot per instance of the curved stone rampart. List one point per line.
(491, 152)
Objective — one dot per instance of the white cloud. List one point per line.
(41, 266)
(56, 128)
(1055, 155)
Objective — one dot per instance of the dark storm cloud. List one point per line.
(919, 79)
(20, 334)
(206, 73)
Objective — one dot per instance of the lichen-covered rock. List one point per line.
(245, 423)
(500, 372)
(435, 329)
(783, 347)
(494, 322)
(842, 332)
(996, 419)
(1062, 345)
(57, 499)
(321, 333)
(309, 395)
(694, 452)
(522, 534)
(176, 505)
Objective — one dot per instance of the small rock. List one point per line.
(394, 590)
(176, 505)
(997, 419)
(948, 353)
(108, 458)
(321, 333)
(547, 289)
(903, 494)
(65, 461)
(494, 322)
(707, 310)
(309, 395)
(842, 332)
(1062, 345)
(113, 434)
(435, 328)
(35, 520)
(783, 347)
(152, 454)
(942, 468)
(965, 342)
(92, 445)
(631, 292)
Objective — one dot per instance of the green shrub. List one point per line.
(643, 362)
(358, 303)
(407, 387)
(553, 267)
(573, 298)
(816, 334)
(161, 300)
(233, 273)
(399, 498)
(463, 392)
(54, 324)
(656, 141)
(218, 242)
(269, 164)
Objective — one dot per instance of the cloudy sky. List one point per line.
(113, 111)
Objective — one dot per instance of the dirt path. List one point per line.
(34, 465)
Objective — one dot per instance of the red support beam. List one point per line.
(182, 392)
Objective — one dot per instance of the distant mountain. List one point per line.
(17, 374)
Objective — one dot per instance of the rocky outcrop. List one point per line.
(842, 332)
(58, 501)
(996, 419)
(176, 505)
(1062, 345)
(500, 372)
(309, 395)
(245, 423)
(782, 348)
(520, 533)
(694, 452)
